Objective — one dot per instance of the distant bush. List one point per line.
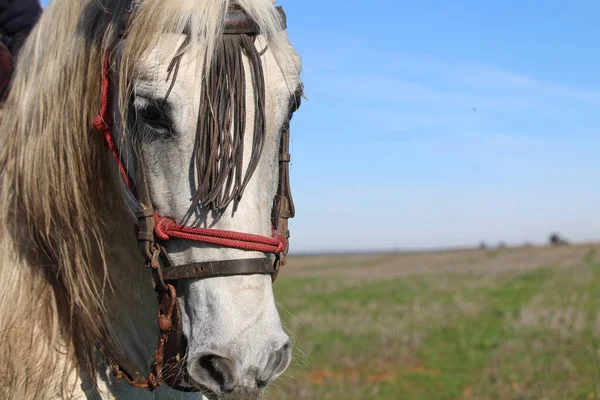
(556, 240)
(482, 246)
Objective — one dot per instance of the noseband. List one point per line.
(153, 230)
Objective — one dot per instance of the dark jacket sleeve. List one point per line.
(19, 16)
(6, 67)
(17, 19)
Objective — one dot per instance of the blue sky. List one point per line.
(444, 123)
(388, 151)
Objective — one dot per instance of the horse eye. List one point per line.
(296, 102)
(153, 115)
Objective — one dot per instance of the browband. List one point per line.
(238, 22)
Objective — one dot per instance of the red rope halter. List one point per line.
(166, 228)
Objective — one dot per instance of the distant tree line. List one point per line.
(554, 239)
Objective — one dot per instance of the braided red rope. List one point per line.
(166, 228)
(102, 123)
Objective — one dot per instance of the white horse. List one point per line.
(144, 153)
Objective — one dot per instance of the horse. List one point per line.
(145, 199)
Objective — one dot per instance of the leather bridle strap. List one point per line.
(219, 268)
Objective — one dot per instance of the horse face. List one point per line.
(235, 341)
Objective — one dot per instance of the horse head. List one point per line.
(193, 102)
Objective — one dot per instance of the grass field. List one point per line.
(473, 324)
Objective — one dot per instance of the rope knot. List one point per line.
(162, 227)
(282, 242)
(100, 124)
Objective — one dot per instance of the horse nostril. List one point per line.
(278, 362)
(217, 371)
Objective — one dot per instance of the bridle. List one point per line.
(153, 230)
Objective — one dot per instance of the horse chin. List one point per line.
(239, 393)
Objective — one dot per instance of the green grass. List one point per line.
(521, 324)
